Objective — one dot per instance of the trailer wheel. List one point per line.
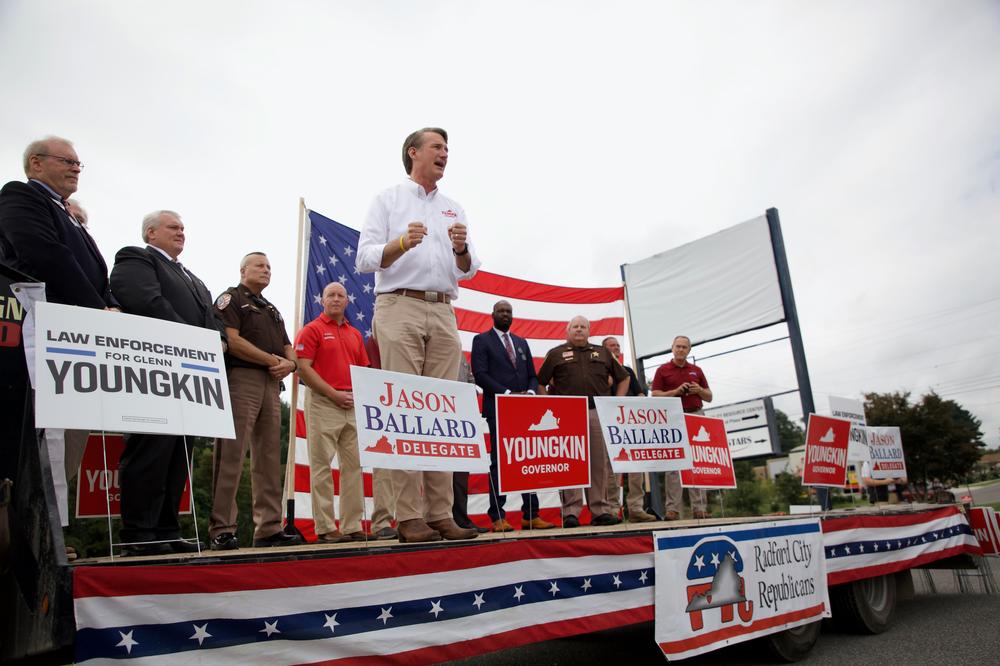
(865, 606)
(793, 644)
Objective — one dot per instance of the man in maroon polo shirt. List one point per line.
(680, 379)
(327, 347)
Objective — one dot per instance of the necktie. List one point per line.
(184, 270)
(510, 349)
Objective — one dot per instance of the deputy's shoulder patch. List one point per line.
(223, 300)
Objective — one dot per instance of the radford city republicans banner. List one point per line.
(644, 434)
(543, 443)
(721, 585)
(417, 423)
(97, 485)
(710, 454)
(853, 411)
(826, 451)
(885, 446)
(100, 370)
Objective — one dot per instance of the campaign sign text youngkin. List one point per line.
(742, 582)
(99, 370)
(644, 434)
(543, 443)
(710, 454)
(417, 423)
(826, 451)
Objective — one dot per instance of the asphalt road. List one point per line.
(930, 628)
(983, 495)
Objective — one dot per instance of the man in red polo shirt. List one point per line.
(327, 347)
(680, 379)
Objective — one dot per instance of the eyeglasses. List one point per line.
(70, 163)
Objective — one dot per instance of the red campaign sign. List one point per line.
(826, 451)
(710, 455)
(983, 522)
(92, 487)
(543, 443)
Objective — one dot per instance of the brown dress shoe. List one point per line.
(335, 536)
(416, 531)
(640, 517)
(671, 515)
(700, 515)
(448, 529)
(502, 526)
(537, 523)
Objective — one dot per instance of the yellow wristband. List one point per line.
(402, 248)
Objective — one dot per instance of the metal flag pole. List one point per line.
(293, 405)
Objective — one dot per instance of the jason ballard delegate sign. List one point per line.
(112, 371)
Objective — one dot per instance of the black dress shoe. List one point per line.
(385, 534)
(146, 549)
(278, 539)
(571, 521)
(225, 541)
(481, 530)
(182, 546)
(605, 519)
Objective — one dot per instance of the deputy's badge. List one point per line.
(595, 354)
(223, 300)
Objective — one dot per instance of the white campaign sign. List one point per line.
(853, 411)
(417, 423)
(644, 434)
(101, 370)
(727, 584)
(886, 447)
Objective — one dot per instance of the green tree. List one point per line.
(790, 433)
(941, 440)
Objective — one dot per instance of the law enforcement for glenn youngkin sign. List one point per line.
(103, 370)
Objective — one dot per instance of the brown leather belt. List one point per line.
(430, 296)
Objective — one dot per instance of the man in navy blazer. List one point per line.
(501, 364)
(40, 238)
(150, 282)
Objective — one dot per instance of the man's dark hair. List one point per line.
(416, 140)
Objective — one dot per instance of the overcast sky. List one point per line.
(584, 135)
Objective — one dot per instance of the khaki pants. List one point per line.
(600, 468)
(257, 417)
(383, 500)
(331, 431)
(419, 338)
(674, 494)
(636, 493)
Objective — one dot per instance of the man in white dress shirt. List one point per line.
(415, 240)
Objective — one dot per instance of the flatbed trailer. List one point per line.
(386, 602)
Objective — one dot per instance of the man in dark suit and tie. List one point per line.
(150, 282)
(40, 238)
(502, 364)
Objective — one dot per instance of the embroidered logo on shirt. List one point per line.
(449, 213)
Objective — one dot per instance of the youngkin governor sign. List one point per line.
(103, 370)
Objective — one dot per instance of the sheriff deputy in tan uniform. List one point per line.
(581, 368)
(259, 357)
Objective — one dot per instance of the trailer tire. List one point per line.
(865, 606)
(793, 644)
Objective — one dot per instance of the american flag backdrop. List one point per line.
(540, 315)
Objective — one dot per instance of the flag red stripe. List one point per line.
(470, 320)
(509, 287)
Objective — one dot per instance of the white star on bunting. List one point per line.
(270, 628)
(322, 240)
(586, 584)
(643, 577)
(348, 250)
(127, 641)
(518, 592)
(385, 616)
(200, 633)
(436, 608)
(479, 601)
(554, 589)
(320, 268)
(331, 622)
(617, 580)
(333, 260)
